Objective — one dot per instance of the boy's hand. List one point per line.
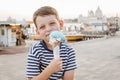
(55, 65)
(55, 44)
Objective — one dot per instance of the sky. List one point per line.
(24, 9)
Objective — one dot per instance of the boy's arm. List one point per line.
(44, 75)
(53, 67)
(71, 65)
(69, 75)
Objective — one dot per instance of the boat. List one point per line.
(73, 36)
(76, 31)
(72, 31)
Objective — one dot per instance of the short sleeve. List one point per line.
(71, 62)
(33, 64)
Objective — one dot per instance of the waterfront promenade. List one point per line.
(97, 59)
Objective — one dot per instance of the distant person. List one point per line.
(106, 34)
(23, 37)
(18, 38)
(40, 64)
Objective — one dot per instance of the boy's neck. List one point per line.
(48, 45)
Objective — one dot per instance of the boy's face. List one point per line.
(46, 24)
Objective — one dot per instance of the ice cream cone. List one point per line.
(55, 38)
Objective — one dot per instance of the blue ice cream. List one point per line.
(56, 36)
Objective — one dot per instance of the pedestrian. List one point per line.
(106, 34)
(41, 64)
(23, 38)
(18, 37)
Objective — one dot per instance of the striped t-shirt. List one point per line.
(40, 56)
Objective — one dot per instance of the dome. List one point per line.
(98, 13)
(91, 13)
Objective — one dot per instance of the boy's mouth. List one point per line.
(48, 36)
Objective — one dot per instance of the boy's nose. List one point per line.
(48, 28)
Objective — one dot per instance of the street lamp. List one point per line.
(116, 20)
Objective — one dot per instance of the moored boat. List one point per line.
(73, 36)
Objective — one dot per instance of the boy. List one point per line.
(41, 65)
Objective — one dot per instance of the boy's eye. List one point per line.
(52, 23)
(42, 27)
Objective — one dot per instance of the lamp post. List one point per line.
(116, 20)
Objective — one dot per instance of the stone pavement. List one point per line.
(96, 59)
(14, 50)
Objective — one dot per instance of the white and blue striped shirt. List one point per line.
(40, 56)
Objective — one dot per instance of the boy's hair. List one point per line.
(43, 11)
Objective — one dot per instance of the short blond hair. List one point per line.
(43, 11)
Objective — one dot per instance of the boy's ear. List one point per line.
(61, 24)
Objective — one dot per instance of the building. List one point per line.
(96, 20)
(114, 23)
(8, 32)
